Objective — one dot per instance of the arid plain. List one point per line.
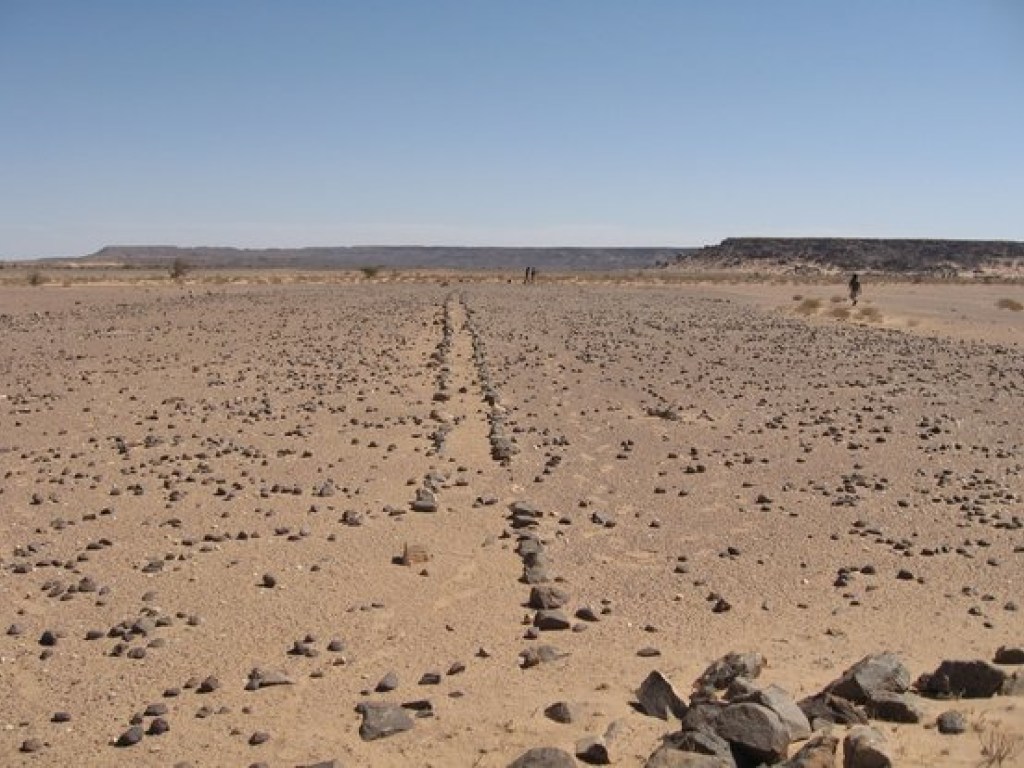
(200, 480)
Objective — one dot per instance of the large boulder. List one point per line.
(864, 747)
(798, 727)
(754, 731)
(879, 673)
(963, 679)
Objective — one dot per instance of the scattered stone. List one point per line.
(415, 554)
(593, 750)
(544, 597)
(1009, 655)
(29, 746)
(131, 737)
(951, 722)
(562, 712)
(544, 757)
(381, 720)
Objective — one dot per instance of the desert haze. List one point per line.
(441, 521)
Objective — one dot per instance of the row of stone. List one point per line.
(503, 447)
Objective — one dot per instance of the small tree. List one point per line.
(370, 272)
(35, 277)
(179, 268)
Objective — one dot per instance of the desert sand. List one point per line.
(202, 480)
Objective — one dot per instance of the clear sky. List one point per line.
(524, 122)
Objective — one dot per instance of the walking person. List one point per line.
(854, 289)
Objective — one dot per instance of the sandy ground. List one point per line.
(230, 470)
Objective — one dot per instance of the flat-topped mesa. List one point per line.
(914, 256)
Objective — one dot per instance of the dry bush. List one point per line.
(370, 272)
(837, 299)
(35, 277)
(999, 748)
(178, 269)
(1011, 304)
(840, 313)
(798, 297)
(808, 306)
(870, 314)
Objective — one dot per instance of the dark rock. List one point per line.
(259, 737)
(658, 698)
(542, 654)
(551, 619)
(562, 712)
(593, 750)
(755, 731)
(1009, 655)
(547, 597)
(895, 708)
(864, 747)
(131, 737)
(28, 746)
(962, 679)
(782, 704)
(158, 727)
(544, 757)
(819, 752)
(951, 722)
(826, 708)
(209, 685)
(879, 673)
(381, 720)
(667, 757)
(726, 669)
(387, 683)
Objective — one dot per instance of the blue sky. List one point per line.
(526, 122)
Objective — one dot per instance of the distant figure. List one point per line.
(854, 289)
(531, 275)
(527, 278)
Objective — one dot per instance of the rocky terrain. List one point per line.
(389, 257)
(482, 524)
(942, 258)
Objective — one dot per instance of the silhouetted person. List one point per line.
(526, 279)
(854, 289)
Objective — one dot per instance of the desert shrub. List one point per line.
(870, 314)
(798, 297)
(808, 306)
(1011, 304)
(35, 277)
(837, 299)
(370, 272)
(839, 313)
(998, 748)
(178, 269)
